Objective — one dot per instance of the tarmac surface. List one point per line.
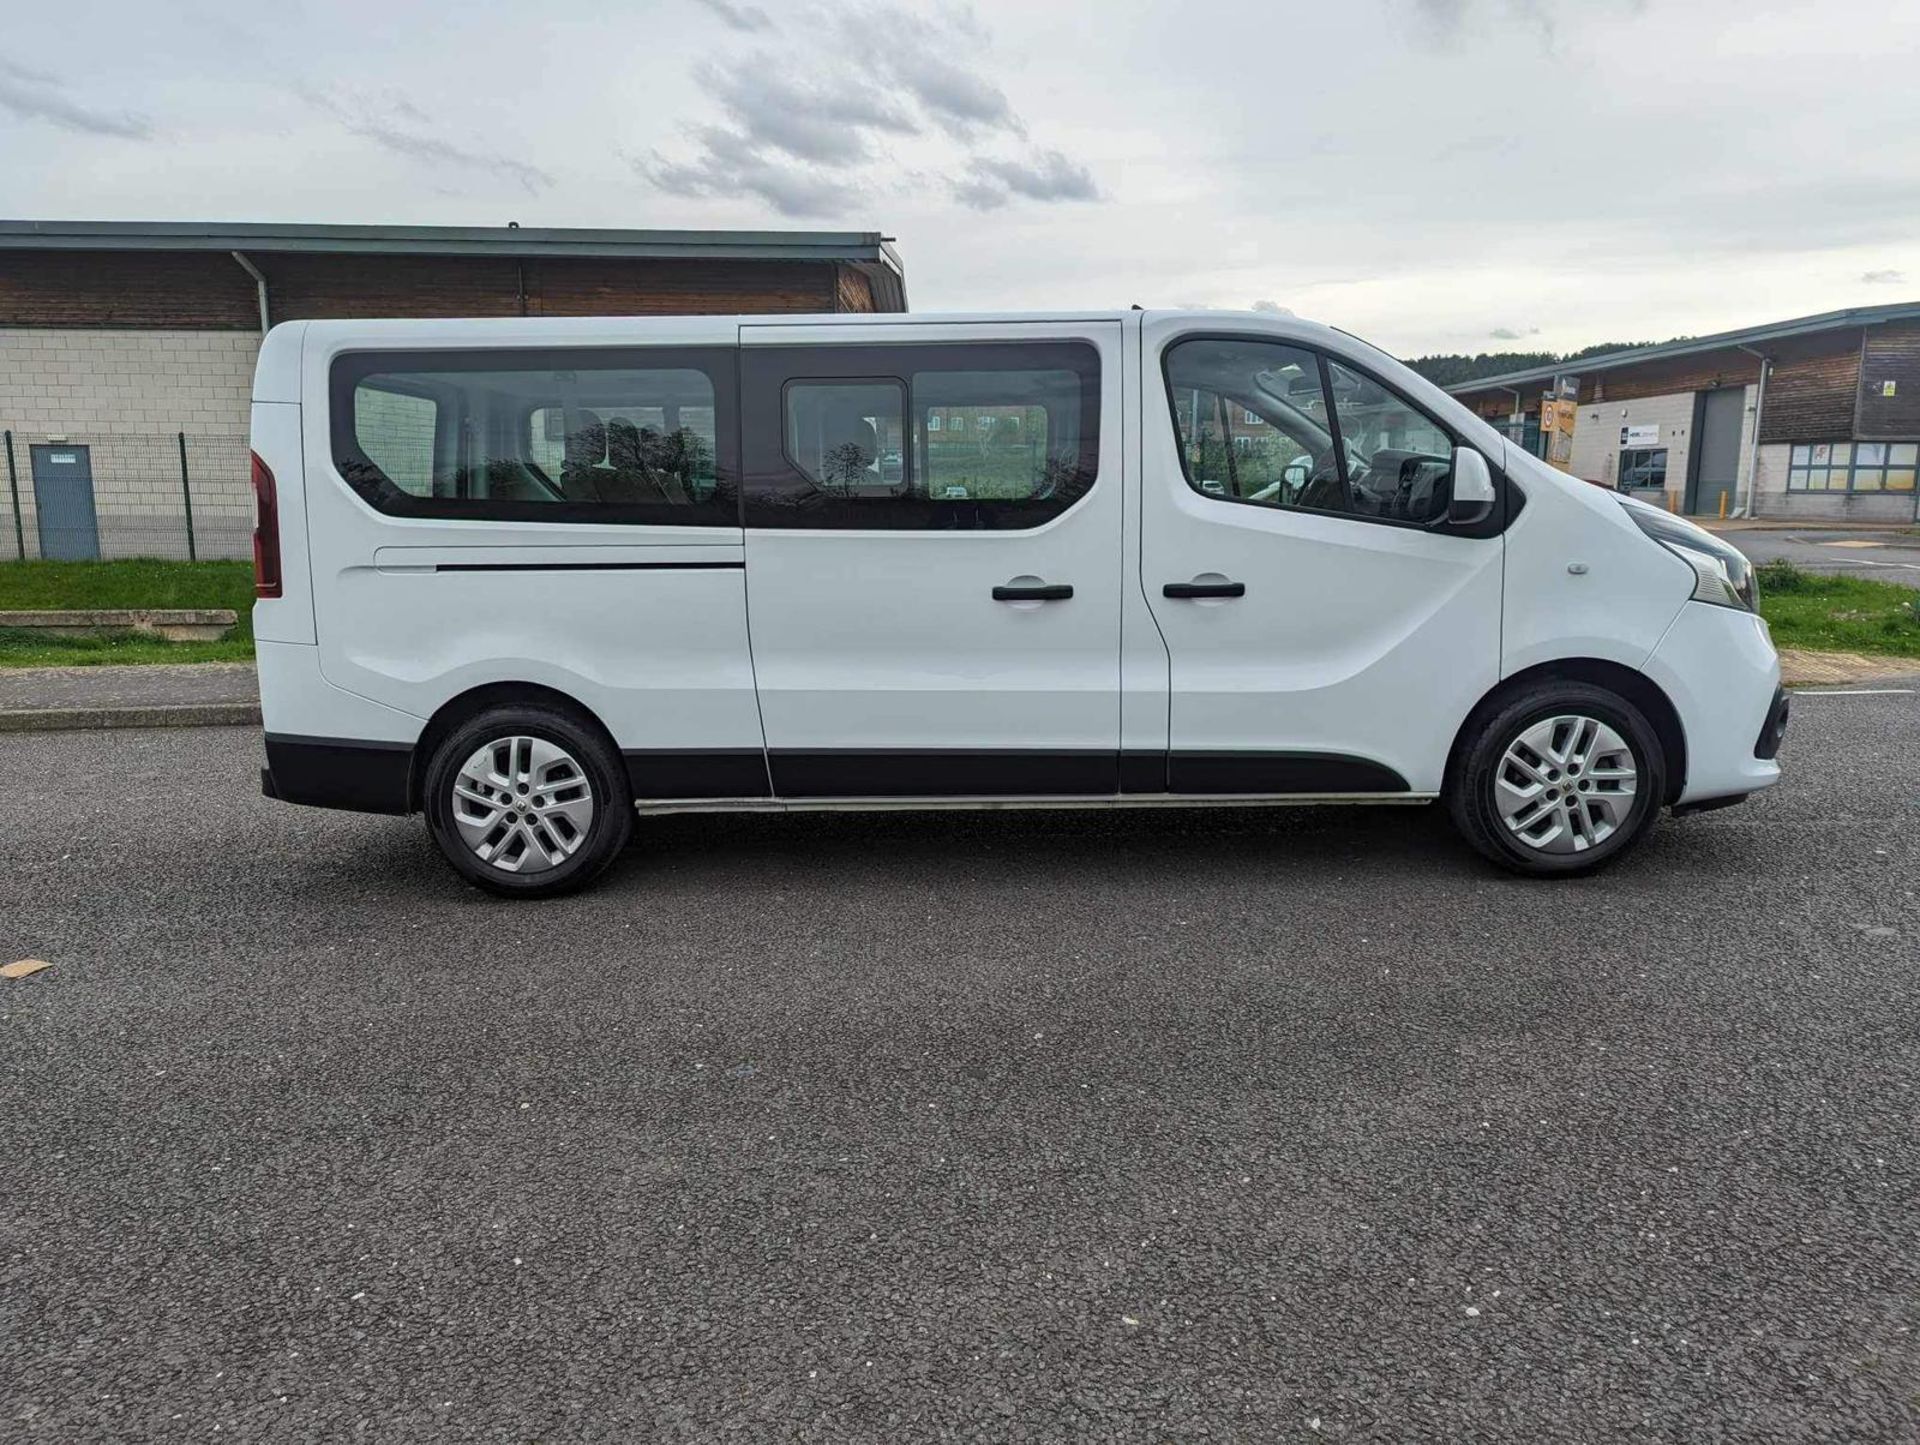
(1232, 1125)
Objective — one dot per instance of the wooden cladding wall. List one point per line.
(1810, 397)
(1683, 373)
(125, 288)
(303, 288)
(196, 289)
(1892, 354)
(677, 288)
(854, 292)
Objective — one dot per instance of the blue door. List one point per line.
(63, 500)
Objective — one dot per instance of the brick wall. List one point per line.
(125, 396)
(1596, 436)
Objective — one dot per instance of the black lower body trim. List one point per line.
(1708, 805)
(679, 773)
(1070, 773)
(904, 773)
(1279, 772)
(362, 777)
(1774, 730)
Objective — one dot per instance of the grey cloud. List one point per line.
(35, 95)
(1273, 308)
(1507, 333)
(388, 132)
(729, 167)
(958, 100)
(824, 122)
(1050, 176)
(1884, 278)
(917, 56)
(1453, 20)
(740, 17)
(799, 130)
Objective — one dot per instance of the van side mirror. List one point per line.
(1473, 494)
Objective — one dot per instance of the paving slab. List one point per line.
(154, 695)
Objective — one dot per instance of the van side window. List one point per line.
(846, 437)
(975, 436)
(988, 435)
(397, 430)
(1399, 461)
(642, 437)
(1281, 426)
(1253, 423)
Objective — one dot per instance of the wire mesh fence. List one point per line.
(172, 494)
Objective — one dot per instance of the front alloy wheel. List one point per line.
(1557, 779)
(1566, 784)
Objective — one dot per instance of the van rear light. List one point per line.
(266, 532)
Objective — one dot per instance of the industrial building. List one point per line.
(127, 348)
(1823, 410)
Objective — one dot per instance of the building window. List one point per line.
(1643, 467)
(1852, 466)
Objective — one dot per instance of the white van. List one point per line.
(528, 577)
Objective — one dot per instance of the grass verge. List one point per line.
(133, 582)
(1825, 614)
(1839, 614)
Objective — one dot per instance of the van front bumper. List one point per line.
(1718, 668)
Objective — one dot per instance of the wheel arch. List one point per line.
(476, 700)
(1636, 687)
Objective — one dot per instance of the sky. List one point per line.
(1435, 175)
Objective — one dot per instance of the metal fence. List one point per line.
(174, 494)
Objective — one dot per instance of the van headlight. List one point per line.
(1721, 574)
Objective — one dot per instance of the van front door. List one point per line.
(1325, 636)
(933, 522)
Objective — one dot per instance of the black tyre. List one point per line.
(528, 802)
(1560, 779)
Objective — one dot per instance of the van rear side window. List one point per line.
(601, 436)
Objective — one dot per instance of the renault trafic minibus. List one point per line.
(534, 578)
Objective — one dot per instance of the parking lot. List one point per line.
(1877, 554)
(1252, 1125)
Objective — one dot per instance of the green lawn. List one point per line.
(1839, 614)
(137, 582)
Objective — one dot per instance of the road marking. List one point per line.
(1851, 542)
(1856, 692)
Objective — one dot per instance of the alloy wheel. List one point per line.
(523, 804)
(1566, 784)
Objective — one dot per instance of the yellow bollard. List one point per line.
(1723, 506)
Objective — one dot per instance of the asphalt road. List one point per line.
(1880, 554)
(1236, 1126)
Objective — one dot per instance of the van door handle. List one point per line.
(1204, 589)
(1033, 592)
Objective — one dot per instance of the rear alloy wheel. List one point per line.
(1558, 780)
(528, 802)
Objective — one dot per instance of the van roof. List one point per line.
(595, 326)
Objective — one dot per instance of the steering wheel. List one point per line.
(1323, 488)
